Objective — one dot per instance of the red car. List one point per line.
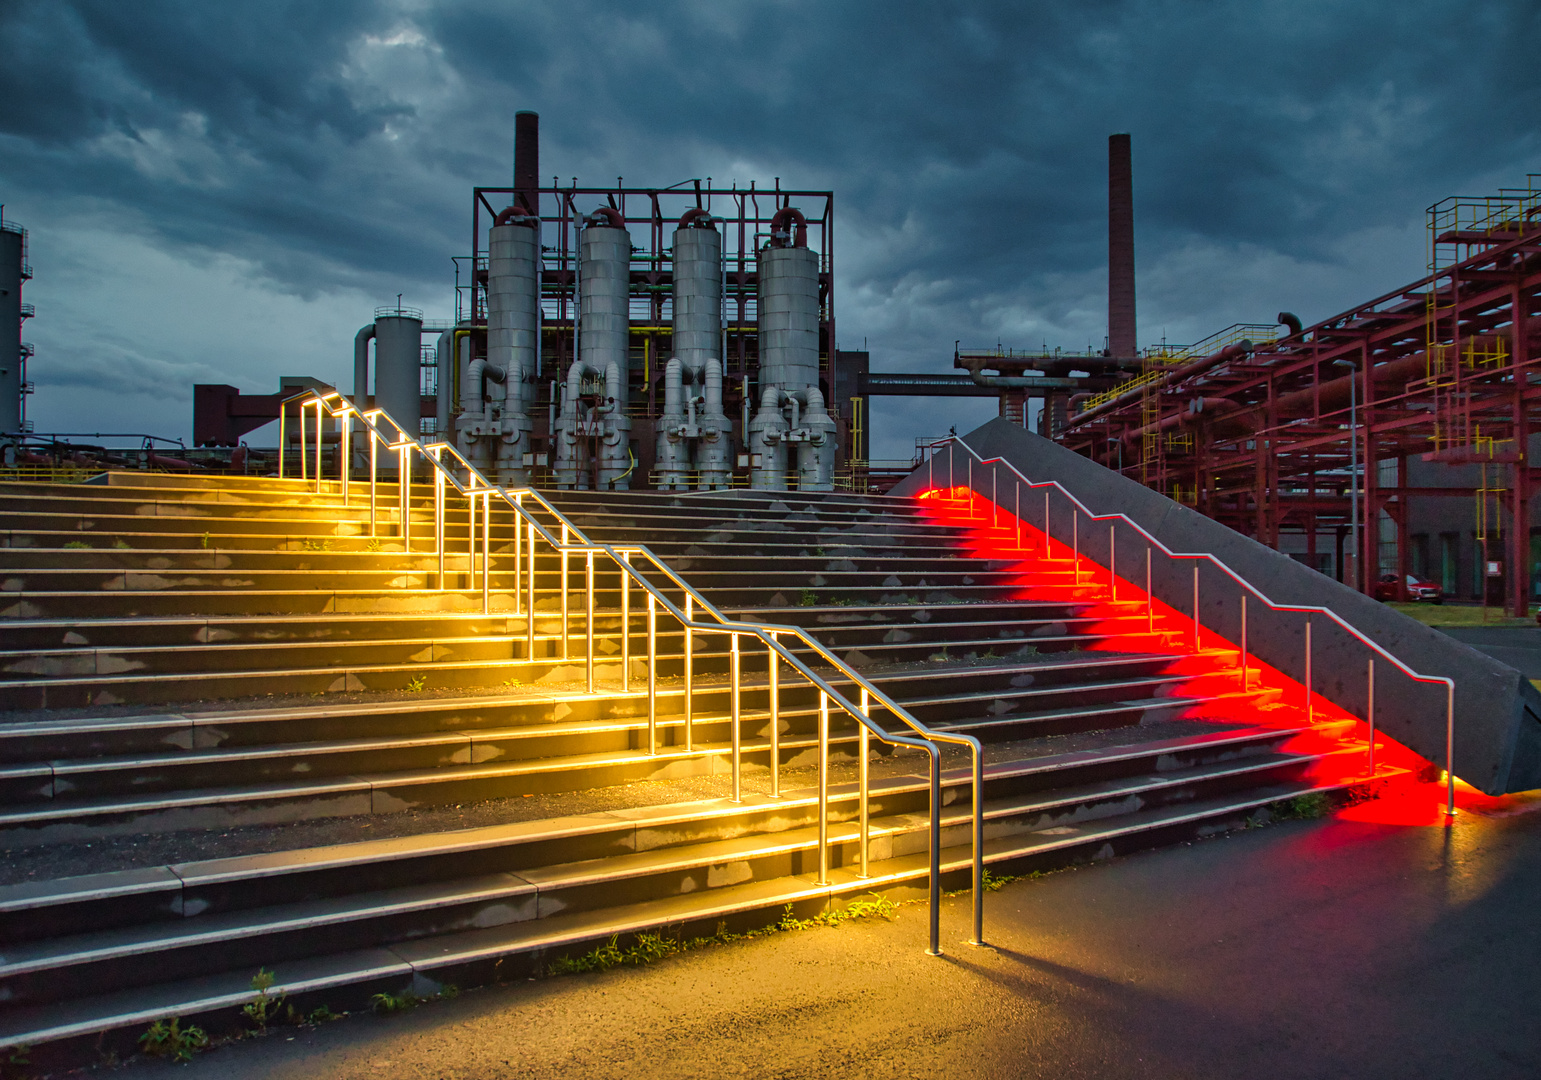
(1417, 588)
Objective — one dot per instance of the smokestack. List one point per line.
(1121, 334)
(527, 160)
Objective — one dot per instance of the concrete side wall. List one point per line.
(1497, 711)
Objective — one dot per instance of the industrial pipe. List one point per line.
(611, 215)
(1290, 320)
(361, 363)
(780, 233)
(1175, 375)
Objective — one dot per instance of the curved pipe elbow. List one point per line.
(695, 218)
(781, 228)
(714, 388)
(361, 362)
(516, 215)
(1291, 320)
(606, 217)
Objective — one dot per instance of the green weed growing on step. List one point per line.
(76, 545)
(394, 1003)
(119, 543)
(316, 545)
(264, 1007)
(205, 542)
(653, 946)
(513, 680)
(1307, 807)
(373, 546)
(417, 684)
(17, 1058)
(169, 1039)
(321, 1015)
(808, 599)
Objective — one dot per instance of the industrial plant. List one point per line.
(582, 625)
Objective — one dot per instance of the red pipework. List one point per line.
(779, 227)
(514, 215)
(610, 214)
(694, 215)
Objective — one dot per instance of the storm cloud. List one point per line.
(224, 191)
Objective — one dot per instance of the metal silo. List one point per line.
(513, 329)
(398, 365)
(604, 309)
(697, 291)
(789, 317)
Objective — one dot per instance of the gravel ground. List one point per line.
(56, 860)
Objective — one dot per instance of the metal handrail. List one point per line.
(1354, 632)
(572, 541)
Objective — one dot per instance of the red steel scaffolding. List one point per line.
(1428, 394)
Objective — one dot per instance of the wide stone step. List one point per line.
(517, 949)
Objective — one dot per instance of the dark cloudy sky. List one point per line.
(224, 191)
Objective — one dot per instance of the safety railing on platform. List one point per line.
(695, 615)
(1090, 542)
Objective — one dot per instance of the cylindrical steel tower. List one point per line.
(13, 256)
(604, 311)
(512, 323)
(398, 365)
(789, 317)
(697, 292)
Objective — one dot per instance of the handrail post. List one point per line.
(823, 787)
(775, 719)
(1150, 597)
(1195, 606)
(935, 896)
(529, 607)
(1310, 706)
(374, 468)
(1045, 523)
(970, 495)
(518, 551)
(1018, 485)
(1450, 748)
(345, 449)
(320, 405)
(404, 497)
(690, 735)
(1075, 541)
(487, 554)
(733, 713)
(588, 618)
(563, 565)
(625, 624)
(1112, 563)
(652, 674)
(283, 437)
(438, 518)
(979, 846)
(471, 544)
(1244, 645)
(862, 779)
(304, 451)
(1369, 713)
(994, 502)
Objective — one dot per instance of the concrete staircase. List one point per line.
(148, 619)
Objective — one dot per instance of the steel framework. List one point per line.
(1428, 392)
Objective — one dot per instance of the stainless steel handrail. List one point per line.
(1374, 646)
(478, 486)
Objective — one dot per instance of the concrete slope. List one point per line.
(1497, 710)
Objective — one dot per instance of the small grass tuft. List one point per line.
(1307, 807)
(415, 685)
(808, 599)
(169, 1039)
(406, 1000)
(264, 1007)
(650, 947)
(77, 545)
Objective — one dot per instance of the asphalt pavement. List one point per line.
(1336, 948)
